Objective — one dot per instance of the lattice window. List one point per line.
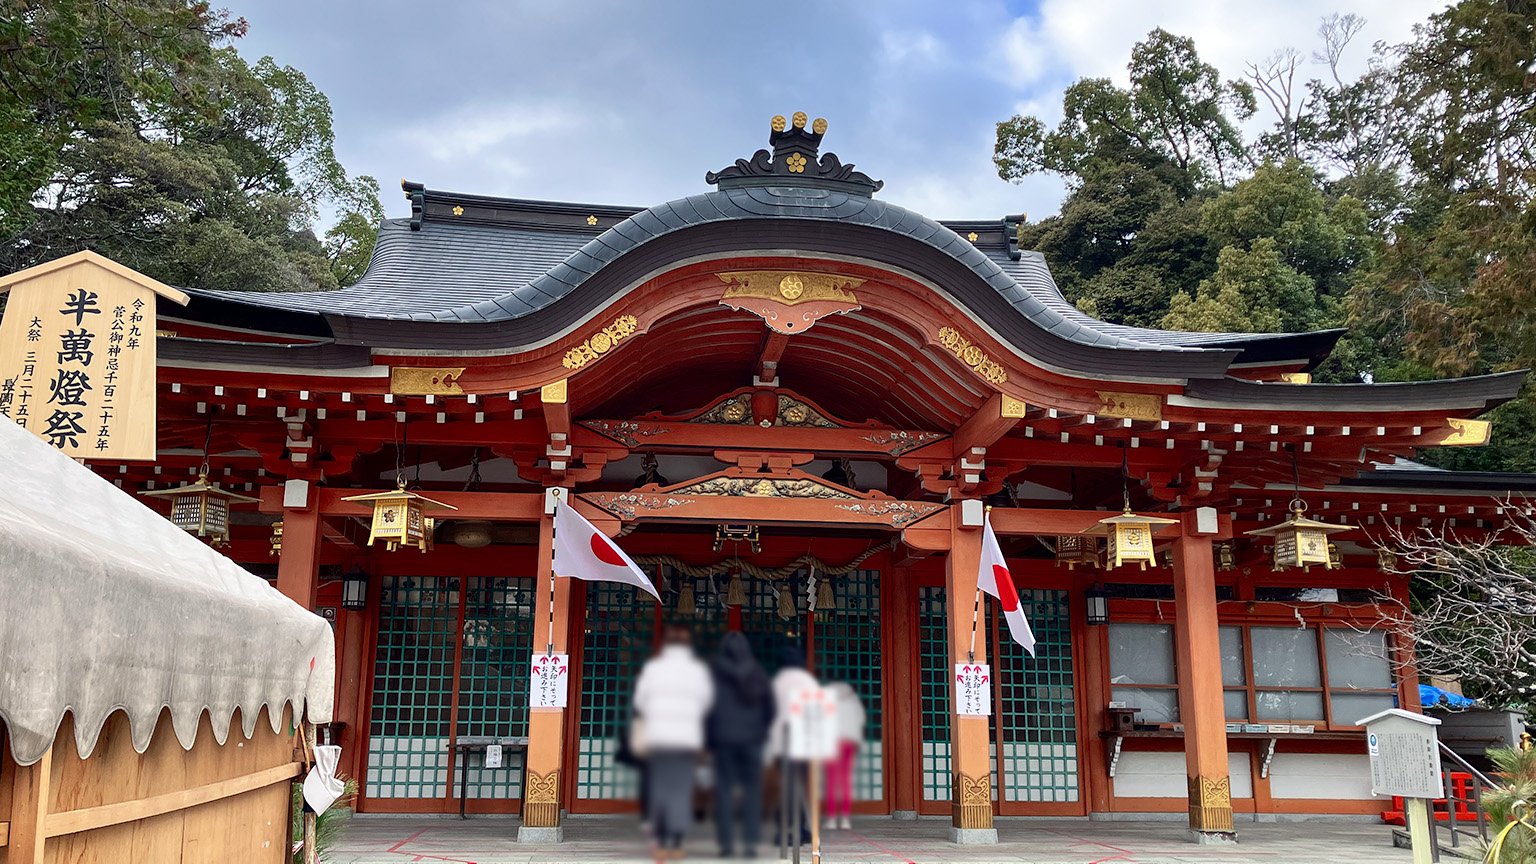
(934, 663)
(413, 688)
(1036, 706)
(493, 677)
(848, 649)
(620, 625)
(765, 630)
(709, 620)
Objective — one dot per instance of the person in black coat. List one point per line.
(737, 728)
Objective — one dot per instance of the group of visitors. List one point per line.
(733, 711)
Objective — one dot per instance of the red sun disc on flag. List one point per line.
(608, 554)
(1005, 591)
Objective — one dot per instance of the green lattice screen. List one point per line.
(1036, 706)
(848, 649)
(413, 688)
(765, 630)
(493, 676)
(933, 658)
(620, 628)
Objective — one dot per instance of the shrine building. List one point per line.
(795, 404)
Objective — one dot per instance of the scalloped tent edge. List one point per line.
(119, 610)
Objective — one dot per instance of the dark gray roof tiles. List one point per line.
(476, 272)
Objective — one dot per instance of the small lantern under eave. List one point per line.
(202, 508)
(1129, 538)
(1073, 550)
(354, 590)
(1301, 542)
(399, 518)
(1096, 603)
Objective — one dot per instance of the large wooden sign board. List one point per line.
(77, 356)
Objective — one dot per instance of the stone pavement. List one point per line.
(392, 840)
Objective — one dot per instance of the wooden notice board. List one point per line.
(77, 355)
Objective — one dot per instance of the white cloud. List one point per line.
(1094, 39)
(903, 48)
(483, 130)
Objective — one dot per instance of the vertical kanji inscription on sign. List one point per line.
(77, 356)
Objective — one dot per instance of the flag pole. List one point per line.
(976, 607)
(549, 648)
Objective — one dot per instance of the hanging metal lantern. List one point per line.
(1073, 550)
(277, 538)
(399, 518)
(1129, 538)
(1299, 541)
(1226, 556)
(201, 508)
(1386, 560)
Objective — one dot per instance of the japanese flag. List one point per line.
(583, 552)
(995, 579)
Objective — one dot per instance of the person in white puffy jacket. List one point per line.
(672, 698)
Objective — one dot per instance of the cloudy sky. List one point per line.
(631, 102)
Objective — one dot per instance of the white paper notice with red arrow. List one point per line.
(548, 680)
(973, 689)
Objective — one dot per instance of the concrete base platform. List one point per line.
(973, 836)
(882, 840)
(540, 836)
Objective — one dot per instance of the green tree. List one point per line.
(144, 135)
(1177, 107)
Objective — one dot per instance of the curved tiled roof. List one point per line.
(488, 270)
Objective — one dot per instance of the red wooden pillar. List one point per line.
(298, 565)
(546, 726)
(1200, 698)
(969, 750)
(899, 598)
(349, 686)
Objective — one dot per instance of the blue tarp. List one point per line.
(1429, 695)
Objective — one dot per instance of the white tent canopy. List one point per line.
(107, 606)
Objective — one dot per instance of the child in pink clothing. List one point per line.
(850, 734)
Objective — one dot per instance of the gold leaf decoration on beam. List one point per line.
(1466, 433)
(1131, 406)
(789, 287)
(972, 356)
(555, 393)
(761, 487)
(601, 342)
(425, 380)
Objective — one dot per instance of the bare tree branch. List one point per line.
(1472, 610)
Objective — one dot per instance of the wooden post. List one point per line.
(298, 565)
(1200, 700)
(1418, 830)
(311, 854)
(969, 750)
(813, 806)
(546, 726)
(30, 801)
